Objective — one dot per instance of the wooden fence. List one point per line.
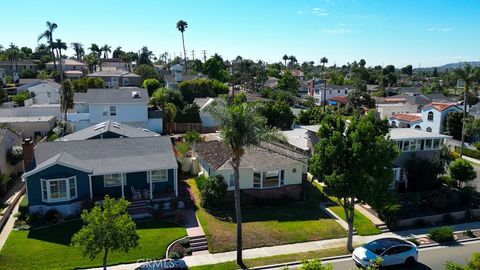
(180, 128)
(8, 212)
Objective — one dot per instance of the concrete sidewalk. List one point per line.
(204, 259)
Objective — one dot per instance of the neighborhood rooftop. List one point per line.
(31, 119)
(410, 133)
(121, 95)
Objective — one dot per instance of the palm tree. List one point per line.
(117, 53)
(66, 100)
(324, 61)
(48, 35)
(127, 59)
(106, 49)
(13, 53)
(469, 76)
(59, 45)
(78, 48)
(285, 58)
(293, 60)
(94, 48)
(181, 26)
(160, 100)
(241, 126)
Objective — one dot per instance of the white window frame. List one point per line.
(231, 180)
(281, 182)
(122, 180)
(45, 184)
(114, 109)
(150, 175)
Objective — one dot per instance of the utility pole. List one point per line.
(204, 55)
(193, 55)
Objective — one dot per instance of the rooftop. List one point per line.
(108, 127)
(113, 73)
(410, 133)
(69, 62)
(27, 119)
(407, 117)
(439, 106)
(116, 96)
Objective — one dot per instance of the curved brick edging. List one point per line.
(171, 244)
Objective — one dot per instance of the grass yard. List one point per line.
(276, 259)
(48, 248)
(267, 226)
(360, 222)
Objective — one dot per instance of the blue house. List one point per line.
(68, 173)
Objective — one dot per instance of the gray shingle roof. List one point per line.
(113, 73)
(109, 156)
(108, 126)
(265, 157)
(121, 95)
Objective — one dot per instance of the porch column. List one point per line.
(90, 185)
(122, 185)
(151, 186)
(175, 182)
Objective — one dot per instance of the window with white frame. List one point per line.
(231, 180)
(113, 180)
(268, 179)
(113, 110)
(157, 176)
(57, 190)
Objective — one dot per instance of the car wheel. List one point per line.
(410, 261)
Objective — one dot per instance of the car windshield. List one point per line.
(378, 246)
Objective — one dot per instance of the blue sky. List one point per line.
(401, 32)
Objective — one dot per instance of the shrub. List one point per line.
(447, 180)
(462, 171)
(53, 216)
(315, 265)
(184, 242)
(438, 200)
(151, 85)
(34, 218)
(20, 98)
(175, 255)
(469, 233)
(441, 235)
(213, 191)
(28, 74)
(15, 154)
(200, 180)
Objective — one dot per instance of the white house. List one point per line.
(205, 116)
(386, 110)
(46, 92)
(431, 118)
(321, 92)
(124, 105)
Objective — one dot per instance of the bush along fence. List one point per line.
(9, 209)
(429, 220)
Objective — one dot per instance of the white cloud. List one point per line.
(336, 31)
(442, 29)
(319, 11)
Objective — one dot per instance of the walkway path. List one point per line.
(204, 259)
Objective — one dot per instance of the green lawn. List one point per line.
(276, 259)
(48, 248)
(268, 226)
(360, 222)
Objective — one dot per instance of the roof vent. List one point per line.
(135, 94)
(100, 126)
(116, 125)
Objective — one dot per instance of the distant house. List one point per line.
(338, 101)
(18, 66)
(67, 173)
(108, 130)
(176, 76)
(117, 78)
(414, 143)
(8, 139)
(431, 118)
(30, 126)
(386, 110)
(205, 116)
(322, 92)
(266, 171)
(116, 63)
(409, 91)
(43, 91)
(124, 105)
(69, 65)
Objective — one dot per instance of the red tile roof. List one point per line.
(407, 117)
(439, 106)
(340, 99)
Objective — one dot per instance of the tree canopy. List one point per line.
(216, 69)
(288, 82)
(201, 87)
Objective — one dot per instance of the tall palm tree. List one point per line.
(182, 26)
(324, 61)
(94, 48)
(48, 35)
(13, 53)
(127, 59)
(468, 75)
(59, 45)
(79, 51)
(293, 60)
(285, 58)
(241, 126)
(106, 49)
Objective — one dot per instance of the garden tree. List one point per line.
(311, 116)
(13, 54)
(389, 77)
(97, 51)
(355, 162)
(248, 73)
(472, 99)
(423, 174)
(324, 61)
(285, 58)
(201, 87)
(359, 76)
(473, 264)
(146, 72)
(277, 94)
(106, 49)
(20, 98)
(288, 82)
(78, 49)
(66, 100)
(151, 85)
(469, 76)
(278, 114)
(144, 58)
(360, 99)
(91, 60)
(161, 99)
(3, 93)
(362, 62)
(43, 54)
(182, 26)
(27, 52)
(472, 126)
(240, 127)
(189, 114)
(192, 137)
(48, 35)
(197, 66)
(213, 190)
(335, 77)
(107, 228)
(407, 70)
(118, 52)
(462, 171)
(453, 124)
(216, 69)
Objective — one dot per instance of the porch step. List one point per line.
(383, 228)
(198, 243)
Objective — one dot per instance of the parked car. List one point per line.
(392, 251)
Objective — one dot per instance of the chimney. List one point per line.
(28, 147)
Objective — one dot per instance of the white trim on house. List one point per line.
(263, 174)
(34, 171)
(405, 145)
(161, 178)
(46, 189)
(122, 176)
(125, 172)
